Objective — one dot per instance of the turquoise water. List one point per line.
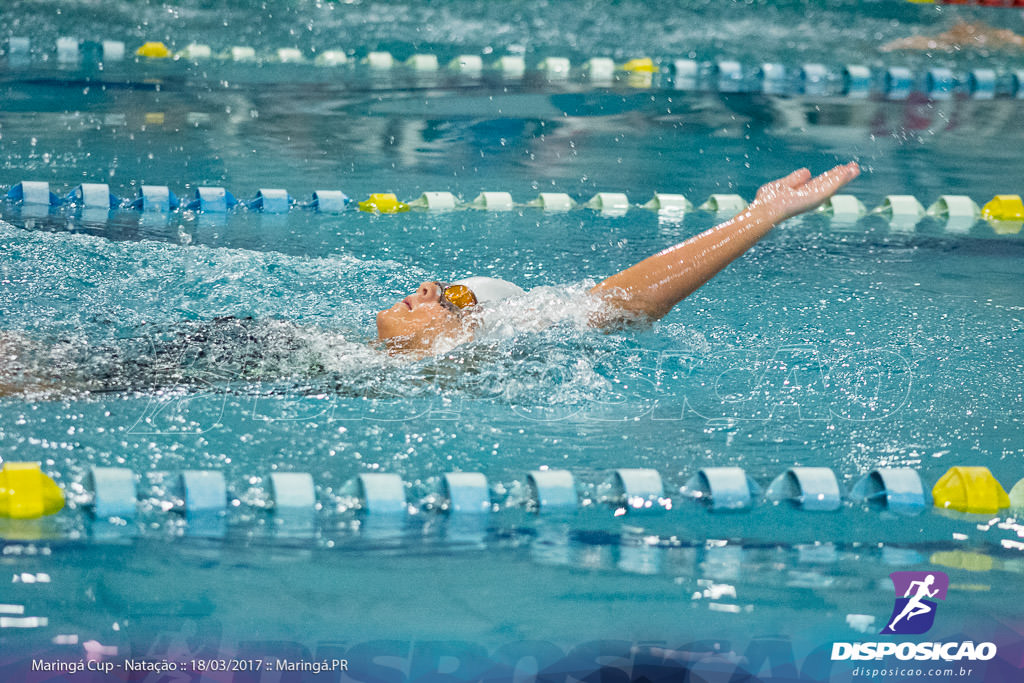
(237, 343)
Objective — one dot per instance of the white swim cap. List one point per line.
(489, 289)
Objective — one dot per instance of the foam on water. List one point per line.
(147, 317)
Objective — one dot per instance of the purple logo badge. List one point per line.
(916, 593)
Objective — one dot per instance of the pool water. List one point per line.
(237, 342)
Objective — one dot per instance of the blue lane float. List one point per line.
(92, 196)
(684, 73)
(33, 192)
(330, 201)
(722, 488)
(19, 50)
(381, 494)
(856, 81)
(774, 79)
(466, 492)
(155, 198)
(292, 491)
(940, 82)
(808, 488)
(112, 51)
(638, 488)
(898, 489)
(729, 76)
(203, 491)
(269, 200)
(212, 200)
(205, 501)
(814, 79)
(294, 504)
(982, 84)
(899, 82)
(68, 50)
(552, 490)
(113, 492)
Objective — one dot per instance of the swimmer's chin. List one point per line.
(410, 347)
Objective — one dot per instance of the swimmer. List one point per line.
(442, 314)
(433, 320)
(963, 36)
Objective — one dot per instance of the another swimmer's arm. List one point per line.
(652, 287)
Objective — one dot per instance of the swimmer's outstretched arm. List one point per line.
(652, 287)
(962, 35)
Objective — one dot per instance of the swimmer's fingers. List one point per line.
(795, 179)
(776, 190)
(798, 191)
(810, 193)
(829, 182)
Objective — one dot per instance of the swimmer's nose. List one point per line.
(426, 293)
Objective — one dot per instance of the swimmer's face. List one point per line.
(418, 320)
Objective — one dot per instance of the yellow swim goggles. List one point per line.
(455, 297)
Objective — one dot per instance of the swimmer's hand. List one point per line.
(799, 192)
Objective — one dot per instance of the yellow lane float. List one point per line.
(153, 50)
(27, 493)
(1005, 213)
(383, 203)
(970, 489)
(641, 65)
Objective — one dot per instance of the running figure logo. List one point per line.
(914, 613)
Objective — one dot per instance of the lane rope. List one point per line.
(894, 81)
(1004, 212)
(30, 493)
